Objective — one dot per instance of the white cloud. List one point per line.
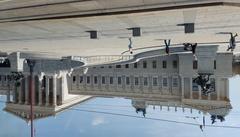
(97, 121)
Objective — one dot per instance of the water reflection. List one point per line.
(193, 89)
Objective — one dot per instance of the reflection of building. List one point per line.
(50, 85)
(151, 75)
(213, 107)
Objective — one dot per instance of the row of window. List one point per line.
(146, 65)
(119, 80)
(154, 64)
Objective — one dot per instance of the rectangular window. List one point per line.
(81, 79)
(126, 65)
(135, 65)
(144, 64)
(102, 66)
(145, 81)
(118, 66)
(154, 64)
(165, 82)
(109, 66)
(155, 83)
(111, 80)
(74, 79)
(136, 81)
(103, 80)
(119, 80)
(127, 81)
(5, 78)
(95, 80)
(175, 64)
(194, 86)
(0, 78)
(175, 82)
(164, 64)
(195, 64)
(215, 64)
(88, 79)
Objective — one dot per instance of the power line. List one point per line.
(150, 118)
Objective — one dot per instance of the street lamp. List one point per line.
(31, 63)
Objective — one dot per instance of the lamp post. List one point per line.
(31, 64)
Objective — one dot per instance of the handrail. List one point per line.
(176, 44)
(100, 59)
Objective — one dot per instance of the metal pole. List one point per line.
(31, 64)
(31, 106)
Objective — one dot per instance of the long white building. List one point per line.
(151, 74)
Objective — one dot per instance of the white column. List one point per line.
(199, 93)
(26, 89)
(217, 86)
(63, 89)
(47, 91)
(227, 88)
(40, 92)
(54, 90)
(182, 87)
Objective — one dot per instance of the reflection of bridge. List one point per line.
(149, 74)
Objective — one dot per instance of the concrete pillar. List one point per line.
(217, 86)
(8, 94)
(227, 87)
(14, 94)
(47, 91)
(19, 90)
(191, 91)
(54, 90)
(182, 86)
(141, 83)
(40, 92)
(199, 93)
(26, 90)
(63, 87)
